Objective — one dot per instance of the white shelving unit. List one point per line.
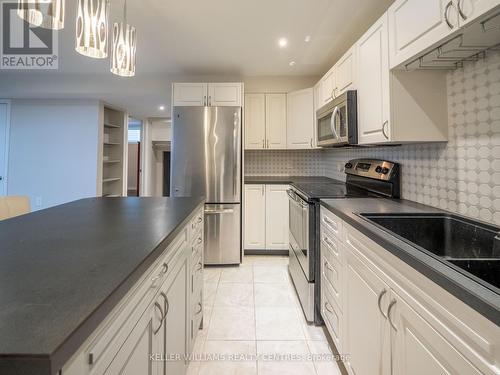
(112, 181)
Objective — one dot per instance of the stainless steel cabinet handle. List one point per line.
(382, 293)
(329, 308)
(446, 12)
(204, 100)
(460, 11)
(157, 305)
(391, 305)
(312, 143)
(209, 100)
(383, 129)
(200, 266)
(200, 240)
(328, 266)
(153, 281)
(165, 304)
(164, 268)
(200, 310)
(263, 143)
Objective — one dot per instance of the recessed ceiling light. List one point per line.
(283, 42)
(292, 63)
(161, 108)
(307, 39)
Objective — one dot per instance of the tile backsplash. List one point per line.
(284, 163)
(462, 175)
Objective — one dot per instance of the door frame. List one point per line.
(7, 145)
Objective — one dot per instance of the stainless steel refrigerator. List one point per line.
(206, 161)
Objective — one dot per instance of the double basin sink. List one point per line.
(471, 247)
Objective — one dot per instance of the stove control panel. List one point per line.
(373, 168)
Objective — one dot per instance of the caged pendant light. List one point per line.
(124, 47)
(48, 14)
(92, 28)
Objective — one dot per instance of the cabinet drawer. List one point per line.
(332, 316)
(120, 323)
(197, 222)
(331, 222)
(331, 275)
(330, 245)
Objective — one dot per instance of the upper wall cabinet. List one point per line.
(416, 26)
(345, 72)
(340, 78)
(255, 121)
(207, 94)
(300, 125)
(397, 106)
(265, 121)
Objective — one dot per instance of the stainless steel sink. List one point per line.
(471, 246)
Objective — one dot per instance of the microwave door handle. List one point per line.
(333, 125)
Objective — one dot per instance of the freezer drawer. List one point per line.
(222, 234)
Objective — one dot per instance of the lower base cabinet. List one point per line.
(394, 320)
(266, 217)
(152, 331)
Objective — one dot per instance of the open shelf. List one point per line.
(113, 146)
(111, 179)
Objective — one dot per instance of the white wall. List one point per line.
(53, 150)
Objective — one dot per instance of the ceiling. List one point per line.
(226, 38)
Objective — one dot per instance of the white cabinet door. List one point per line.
(373, 85)
(300, 119)
(224, 94)
(366, 332)
(277, 217)
(176, 323)
(255, 217)
(416, 25)
(328, 87)
(345, 72)
(419, 349)
(190, 94)
(276, 121)
(472, 9)
(255, 121)
(146, 339)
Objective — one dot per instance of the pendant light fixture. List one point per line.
(124, 47)
(48, 14)
(92, 28)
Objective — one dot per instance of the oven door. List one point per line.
(299, 231)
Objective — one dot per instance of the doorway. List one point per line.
(134, 157)
(4, 144)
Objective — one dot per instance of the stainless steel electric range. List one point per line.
(365, 178)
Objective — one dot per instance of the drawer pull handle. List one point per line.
(382, 293)
(200, 240)
(446, 13)
(164, 268)
(200, 266)
(328, 266)
(200, 309)
(389, 309)
(329, 308)
(157, 305)
(331, 244)
(154, 280)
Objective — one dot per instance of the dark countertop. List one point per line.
(279, 180)
(480, 298)
(63, 269)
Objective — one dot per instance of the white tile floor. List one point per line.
(254, 324)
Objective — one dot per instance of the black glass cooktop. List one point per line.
(330, 190)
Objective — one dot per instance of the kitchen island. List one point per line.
(78, 280)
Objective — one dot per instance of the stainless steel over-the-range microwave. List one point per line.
(337, 121)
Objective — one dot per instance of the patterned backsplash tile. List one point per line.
(284, 163)
(462, 175)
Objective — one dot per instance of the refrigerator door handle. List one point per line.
(235, 149)
(219, 212)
